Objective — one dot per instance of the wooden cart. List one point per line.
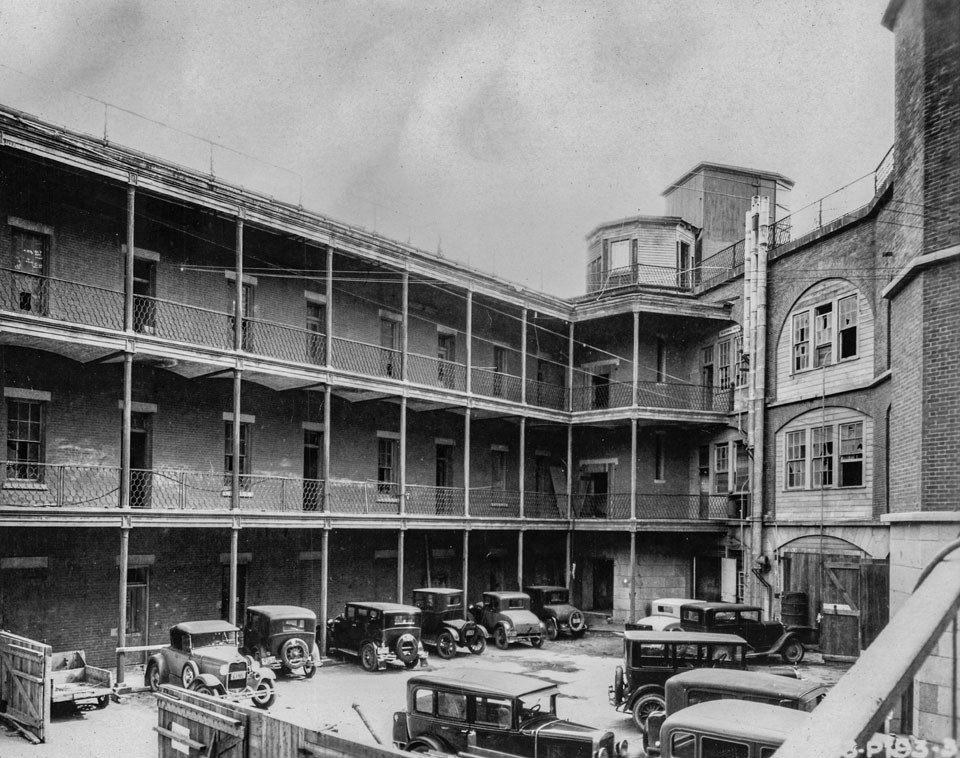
(74, 680)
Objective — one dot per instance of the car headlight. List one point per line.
(225, 669)
(622, 746)
(508, 624)
(602, 753)
(543, 627)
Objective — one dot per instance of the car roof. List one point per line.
(283, 611)
(659, 623)
(440, 590)
(486, 682)
(507, 595)
(742, 718)
(544, 588)
(725, 606)
(205, 627)
(684, 637)
(746, 681)
(387, 607)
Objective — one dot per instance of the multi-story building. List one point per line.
(215, 399)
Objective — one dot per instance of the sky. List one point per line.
(497, 134)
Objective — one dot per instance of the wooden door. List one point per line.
(25, 682)
(840, 627)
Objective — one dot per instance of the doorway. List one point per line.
(601, 389)
(312, 469)
(602, 584)
(446, 355)
(144, 293)
(138, 607)
(141, 455)
(444, 479)
(595, 486)
(241, 599)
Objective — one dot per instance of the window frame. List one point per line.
(15, 468)
(798, 457)
(807, 475)
(246, 434)
(721, 450)
(831, 325)
(388, 486)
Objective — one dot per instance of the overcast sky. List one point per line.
(499, 132)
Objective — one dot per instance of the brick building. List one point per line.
(214, 399)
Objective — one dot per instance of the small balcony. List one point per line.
(689, 397)
(654, 507)
(639, 274)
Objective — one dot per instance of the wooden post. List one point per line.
(633, 470)
(569, 556)
(633, 573)
(466, 572)
(126, 419)
(403, 456)
(324, 591)
(328, 308)
(405, 327)
(327, 431)
(520, 560)
(234, 542)
(128, 272)
(522, 474)
(400, 558)
(122, 620)
(570, 356)
(469, 341)
(466, 462)
(523, 357)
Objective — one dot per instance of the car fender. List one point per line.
(647, 689)
(401, 734)
(433, 743)
(781, 641)
(211, 681)
(161, 662)
(265, 673)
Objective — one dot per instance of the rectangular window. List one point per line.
(847, 320)
(801, 341)
(30, 251)
(721, 467)
(498, 460)
(796, 459)
(316, 328)
(244, 462)
(25, 440)
(821, 450)
(452, 705)
(619, 254)
(851, 454)
(706, 366)
(661, 361)
(743, 364)
(823, 334)
(742, 462)
(659, 462)
(388, 470)
(723, 364)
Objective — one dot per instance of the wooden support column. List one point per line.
(633, 573)
(238, 291)
(569, 556)
(636, 358)
(570, 368)
(466, 462)
(128, 271)
(400, 545)
(122, 620)
(520, 560)
(403, 456)
(327, 431)
(235, 447)
(405, 326)
(523, 357)
(324, 588)
(234, 556)
(465, 581)
(127, 417)
(570, 512)
(633, 469)
(469, 341)
(523, 468)
(328, 310)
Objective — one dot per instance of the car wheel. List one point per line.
(577, 625)
(200, 688)
(411, 664)
(537, 641)
(446, 644)
(152, 678)
(188, 674)
(407, 650)
(368, 657)
(293, 653)
(644, 706)
(500, 637)
(264, 696)
(618, 685)
(553, 631)
(792, 652)
(478, 643)
(309, 668)
(103, 701)
(422, 747)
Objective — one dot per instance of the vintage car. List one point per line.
(651, 658)
(203, 656)
(552, 607)
(664, 615)
(491, 713)
(764, 637)
(729, 728)
(442, 624)
(379, 634)
(281, 637)
(507, 616)
(701, 685)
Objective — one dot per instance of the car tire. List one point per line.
(265, 695)
(368, 656)
(446, 645)
(536, 641)
(646, 704)
(407, 650)
(478, 644)
(618, 685)
(309, 668)
(553, 630)
(103, 701)
(422, 747)
(577, 624)
(500, 637)
(152, 678)
(293, 653)
(188, 674)
(200, 688)
(792, 651)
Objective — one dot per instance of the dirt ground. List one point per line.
(340, 693)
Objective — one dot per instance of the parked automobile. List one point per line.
(378, 634)
(442, 624)
(281, 637)
(491, 713)
(204, 656)
(664, 615)
(764, 637)
(651, 658)
(507, 616)
(702, 685)
(552, 606)
(729, 728)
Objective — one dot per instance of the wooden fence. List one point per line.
(25, 683)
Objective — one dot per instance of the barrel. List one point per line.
(794, 609)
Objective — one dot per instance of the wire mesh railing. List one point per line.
(600, 396)
(544, 395)
(496, 384)
(62, 300)
(609, 505)
(545, 505)
(434, 372)
(494, 503)
(365, 359)
(183, 323)
(675, 396)
(638, 274)
(344, 496)
(424, 500)
(286, 342)
(685, 507)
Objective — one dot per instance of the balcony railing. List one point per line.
(435, 372)
(638, 274)
(285, 342)
(496, 384)
(544, 505)
(363, 497)
(606, 506)
(684, 397)
(60, 299)
(182, 323)
(600, 396)
(686, 507)
(545, 395)
(423, 500)
(365, 359)
(495, 503)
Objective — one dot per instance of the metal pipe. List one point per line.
(122, 620)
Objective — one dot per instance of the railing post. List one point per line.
(570, 368)
(469, 385)
(522, 477)
(60, 486)
(523, 358)
(182, 490)
(466, 462)
(328, 311)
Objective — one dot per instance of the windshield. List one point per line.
(403, 619)
(454, 601)
(544, 704)
(291, 625)
(213, 638)
(556, 597)
(516, 603)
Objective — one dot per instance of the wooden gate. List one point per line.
(25, 682)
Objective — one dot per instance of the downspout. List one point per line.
(762, 211)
